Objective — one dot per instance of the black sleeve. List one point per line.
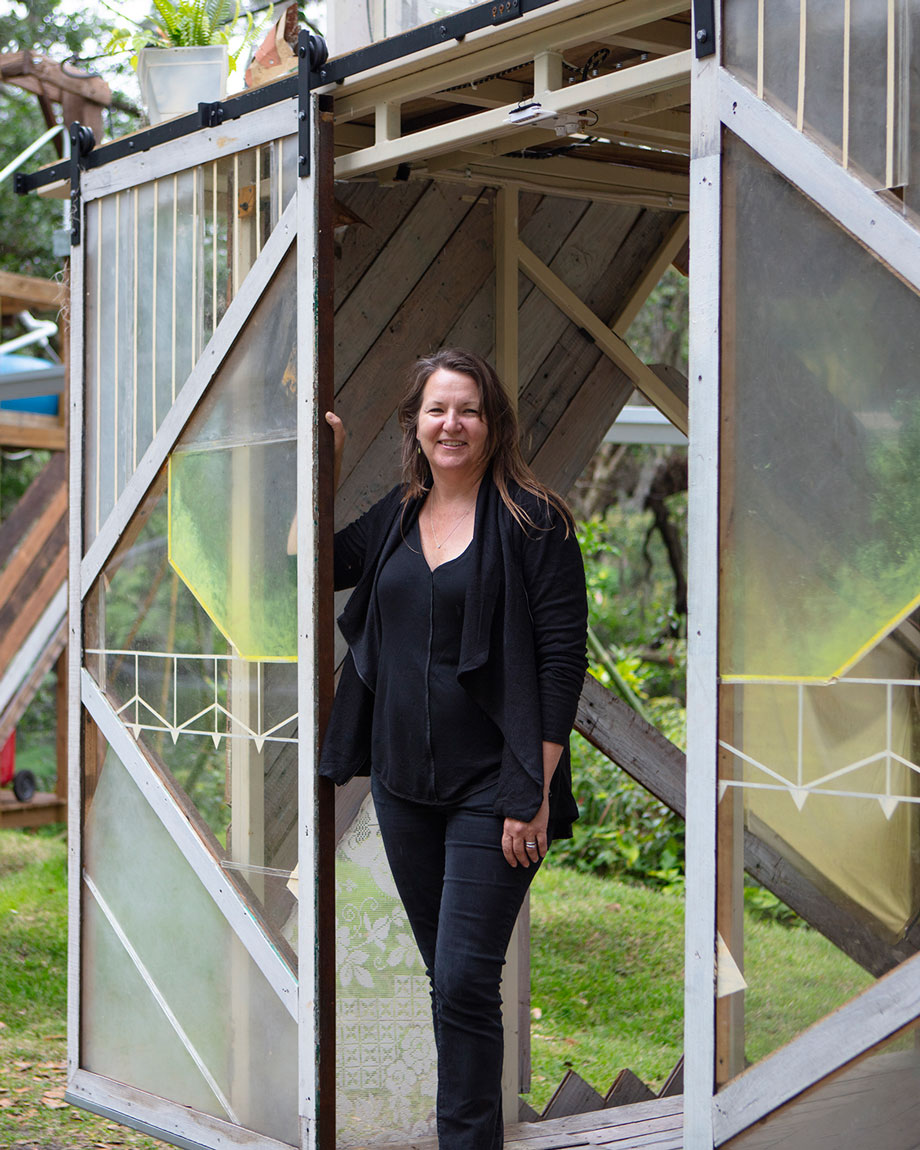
(554, 578)
(350, 545)
(350, 548)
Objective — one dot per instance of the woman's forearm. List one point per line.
(552, 753)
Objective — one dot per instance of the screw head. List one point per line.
(702, 35)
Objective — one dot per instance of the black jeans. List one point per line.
(462, 899)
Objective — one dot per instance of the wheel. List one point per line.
(24, 785)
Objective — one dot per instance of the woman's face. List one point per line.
(451, 429)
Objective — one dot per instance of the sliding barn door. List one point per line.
(193, 679)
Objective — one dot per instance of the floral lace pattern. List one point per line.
(386, 1062)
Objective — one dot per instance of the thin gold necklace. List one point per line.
(434, 534)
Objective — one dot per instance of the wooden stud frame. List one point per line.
(720, 101)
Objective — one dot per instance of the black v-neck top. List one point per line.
(431, 742)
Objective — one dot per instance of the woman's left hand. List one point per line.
(517, 835)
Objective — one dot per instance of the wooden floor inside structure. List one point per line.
(658, 1124)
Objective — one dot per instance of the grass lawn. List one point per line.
(607, 990)
(607, 981)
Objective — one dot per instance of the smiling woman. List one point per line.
(466, 634)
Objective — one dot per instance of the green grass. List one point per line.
(607, 981)
(607, 989)
(33, 996)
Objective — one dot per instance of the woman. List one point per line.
(466, 634)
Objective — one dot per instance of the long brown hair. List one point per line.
(503, 449)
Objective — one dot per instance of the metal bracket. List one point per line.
(704, 28)
(210, 115)
(506, 10)
(312, 54)
(82, 142)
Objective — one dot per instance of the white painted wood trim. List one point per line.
(855, 207)
(828, 1046)
(229, 328)
(653, 76)
(75, 653)
(307, 694)
(27, 655)
(160, 1118)
(702, 623)
(556, 177)
(611, 344)
(202, 147)
(203, 863)
(559, 26)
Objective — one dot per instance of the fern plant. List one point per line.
(188, 24)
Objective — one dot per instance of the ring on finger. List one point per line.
(529, 845)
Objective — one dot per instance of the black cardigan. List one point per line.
(522, 651)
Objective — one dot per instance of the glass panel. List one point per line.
(165, 260)
(385, 1055)
(172, 1003)
(232, 489)
(823, 427)
(857, 88)
(819, 649)
(199, 594)
(874, 1101)
(740, 39)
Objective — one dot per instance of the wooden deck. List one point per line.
(657, 1124)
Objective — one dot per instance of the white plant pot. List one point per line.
(174, 81)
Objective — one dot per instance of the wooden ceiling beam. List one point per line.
(563, 25)
(660, 38)
(643, 79)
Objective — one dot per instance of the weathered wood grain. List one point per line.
(17, 620)
(383, 210)
(42, 488)
(34, 542)
(627, 1088)
(390, 280)
(572, 1096)
(624, 1127)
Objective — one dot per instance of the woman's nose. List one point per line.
(452, 418)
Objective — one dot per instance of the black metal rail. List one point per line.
(320, 72)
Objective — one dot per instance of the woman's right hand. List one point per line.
(338, 439)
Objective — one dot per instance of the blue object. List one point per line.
(36, 404)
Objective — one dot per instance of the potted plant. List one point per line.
(182, 53)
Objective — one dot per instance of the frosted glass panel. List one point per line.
(822, 427)
(845, 73)
(159, 951)
(874, 1101)
(164, 260)
(232, 489)
(819, 643)
(385, 1054)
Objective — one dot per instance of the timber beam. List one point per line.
(494, 123)
(659, 766)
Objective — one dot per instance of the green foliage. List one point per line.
(190, 24)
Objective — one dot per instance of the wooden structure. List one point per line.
(216, 315)
(33, 572)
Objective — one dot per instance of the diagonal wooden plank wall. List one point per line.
(420, 275)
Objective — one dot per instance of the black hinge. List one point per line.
(82, 142)
(704, 28)
(312, 54)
